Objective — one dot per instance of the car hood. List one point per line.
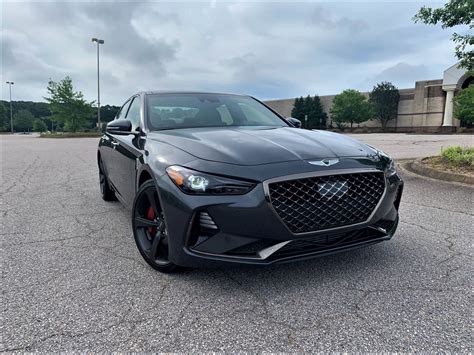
(261, 145)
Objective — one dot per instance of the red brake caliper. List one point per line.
(151, 216)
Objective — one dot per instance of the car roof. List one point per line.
(158, 92)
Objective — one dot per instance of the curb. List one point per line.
(419, 168)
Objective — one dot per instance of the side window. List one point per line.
(123, 111)
(134, 113)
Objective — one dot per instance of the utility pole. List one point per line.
(10, 83)
(99, 42)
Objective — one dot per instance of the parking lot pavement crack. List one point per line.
(135, 322)
(33, 345)
(438, 208)
(411, 224)
(367, 292)
(45, 241)
(447, 238)
(266, 313)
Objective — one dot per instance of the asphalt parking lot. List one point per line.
(72, 278)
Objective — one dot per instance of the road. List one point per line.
(406, 146)
(72, 278)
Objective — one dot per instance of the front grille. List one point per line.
(317, 203)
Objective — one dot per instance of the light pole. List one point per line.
(99, 42)
(10, 83)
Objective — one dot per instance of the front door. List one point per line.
(126, 152)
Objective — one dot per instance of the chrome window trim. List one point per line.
(266, 190)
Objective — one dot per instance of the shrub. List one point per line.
(39, 125)
(464, 105)
(459, 156)
(23, 121)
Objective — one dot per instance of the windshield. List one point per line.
(169, 111)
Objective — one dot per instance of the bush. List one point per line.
(23, 121)
(92, 134)
(458, 156)
(39, 125)
(464, 105)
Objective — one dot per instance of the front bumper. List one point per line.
(208, 230)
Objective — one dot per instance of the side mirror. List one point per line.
(121, 126)
(294, 122)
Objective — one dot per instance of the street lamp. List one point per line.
(98, 41)
(10, 83)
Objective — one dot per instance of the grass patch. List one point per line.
(454, 159)
(71, 135)
(459, 156)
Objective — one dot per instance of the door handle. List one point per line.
(114, 144)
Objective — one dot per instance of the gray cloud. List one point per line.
(402, 75)
(270, 50)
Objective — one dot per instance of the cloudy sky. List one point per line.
(266, 49)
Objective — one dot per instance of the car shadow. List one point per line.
(343, 268)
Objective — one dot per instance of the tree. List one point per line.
(23, 120)
(108, 112)
(316, 115)
(298, 109)
(39, 125)
(350, 106)
(4, 117)
(464, 105)
(307, 106)
(384, 99)
(454, 13)
(68, 106)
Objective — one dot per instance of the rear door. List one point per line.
(127, 151)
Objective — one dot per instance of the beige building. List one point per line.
(428, 107)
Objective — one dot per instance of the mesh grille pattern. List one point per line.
(317, 203)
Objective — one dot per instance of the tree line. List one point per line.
(352, 107)
(64, 110)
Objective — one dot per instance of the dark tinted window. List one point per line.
(167, 111)
(134, 113)
(123, 111)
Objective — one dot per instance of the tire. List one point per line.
(105, 190)
(149, 228)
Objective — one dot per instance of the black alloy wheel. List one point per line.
(107, 193)
(149, 228)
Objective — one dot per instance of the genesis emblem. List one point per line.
(324, 162)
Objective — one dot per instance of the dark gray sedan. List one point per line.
(214, 178)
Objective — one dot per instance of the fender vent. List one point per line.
(206, 221)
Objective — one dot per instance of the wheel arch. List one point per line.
(144, 175)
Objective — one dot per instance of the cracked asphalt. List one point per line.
(72, 278)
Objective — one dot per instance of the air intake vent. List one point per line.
(205, 221)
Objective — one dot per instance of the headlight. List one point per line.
(390, 169)
(195, 182)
